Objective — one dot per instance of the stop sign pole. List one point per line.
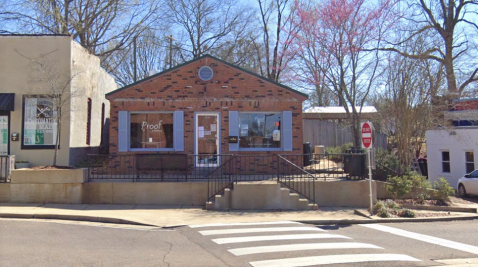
(366, 129)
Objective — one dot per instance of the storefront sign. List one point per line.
(233, 139)
(152, 127)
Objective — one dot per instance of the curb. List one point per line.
(73, 218)
(440, 208)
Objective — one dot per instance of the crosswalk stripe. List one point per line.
(245, 239)
(425, 238)
(331, 259)
(299, 247)
(241, 224)
(258, 230)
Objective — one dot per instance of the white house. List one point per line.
(451, 151)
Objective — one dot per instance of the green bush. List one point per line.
(443, 189)
(335, 150)
(419, 186)
(380, 209)
(407, 213)
(387, 165)
(398, 186)
(391, 205)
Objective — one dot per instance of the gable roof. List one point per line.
(200, 58)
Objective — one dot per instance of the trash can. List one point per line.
(307, 154)
(423, 164)
(354, 163)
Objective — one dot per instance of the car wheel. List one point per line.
(462, 190)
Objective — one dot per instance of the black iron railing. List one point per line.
(292, 175)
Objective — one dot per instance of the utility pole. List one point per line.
(134, 59)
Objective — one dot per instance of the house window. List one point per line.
(151, 130)
(259, 130)
(88, 123)
(102, 120)
(470, 162)
(445, 161)
(39, 122)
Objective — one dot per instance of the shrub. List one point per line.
(443, 189)
(380, 209)
(335, 150)
(387, 165)
(398, 186)
(407, 213)
(419, 187)
(390, 204)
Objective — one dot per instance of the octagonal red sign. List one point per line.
(367, 134)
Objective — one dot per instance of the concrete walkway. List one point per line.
(172, 216)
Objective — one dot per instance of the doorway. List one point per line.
(4, 133)
(207, 133)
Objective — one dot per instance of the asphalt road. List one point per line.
(48, 243)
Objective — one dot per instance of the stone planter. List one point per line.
(22, 165)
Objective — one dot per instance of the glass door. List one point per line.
(4, 135)
(207, 140)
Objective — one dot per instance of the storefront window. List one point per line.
(151, 130)
(259, 130)
(39, 122)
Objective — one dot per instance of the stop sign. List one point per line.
(367, 134)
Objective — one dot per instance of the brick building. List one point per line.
(206, 107)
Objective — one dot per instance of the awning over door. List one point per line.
(7, 102)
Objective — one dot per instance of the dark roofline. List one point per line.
(200, 58)
(34, 35)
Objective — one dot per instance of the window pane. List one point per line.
(470, 167)
(445, 155)
(445, 166)
(259, 130)
(40, 122)
(469, 157)
(151, 130)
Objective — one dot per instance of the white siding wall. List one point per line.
(457, 142)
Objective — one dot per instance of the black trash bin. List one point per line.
(354, 163)
(423, 164)
(307, 154)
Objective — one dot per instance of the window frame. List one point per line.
(281, 148)
(35, 147)
(148, 149)
(444, 161)
(469, 162)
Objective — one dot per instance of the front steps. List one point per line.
(264, 195)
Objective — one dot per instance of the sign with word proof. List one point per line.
(366, 134)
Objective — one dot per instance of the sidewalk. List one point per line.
(172, 216)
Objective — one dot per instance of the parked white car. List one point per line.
(468, 184)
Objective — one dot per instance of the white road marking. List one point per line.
(299, 247)
(258, 230)
(425, 238)
(332, 259)
(245, 239)
(240, 224)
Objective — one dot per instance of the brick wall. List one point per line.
(230, 89)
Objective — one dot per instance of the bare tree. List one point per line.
(202, 26)
(336, 38)
(404, 102)
(278, 31)
(100, 26)
(452, 21)
(55, 83)
(152, 55)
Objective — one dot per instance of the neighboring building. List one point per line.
(26, 106)
(452, 151)
(325, 126)
(206, 106)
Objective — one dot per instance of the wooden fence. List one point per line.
(331, 134)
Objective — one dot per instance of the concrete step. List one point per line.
(313, 207)
(210, 205)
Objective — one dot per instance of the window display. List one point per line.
(259, 130)
(39, 121)
(151, 130)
